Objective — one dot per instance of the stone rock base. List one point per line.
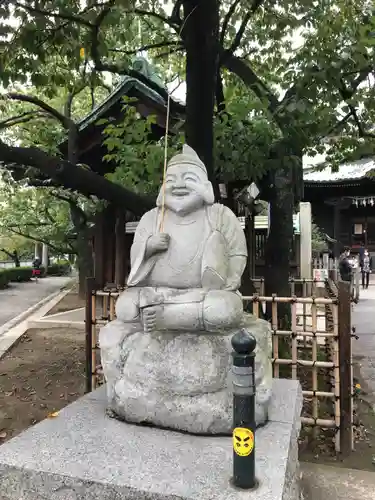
(84, 455)
(181, 380)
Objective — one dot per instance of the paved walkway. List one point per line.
(322, 482)
(21, 296)
(363, 319)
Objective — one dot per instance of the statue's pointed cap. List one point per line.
(187, 157)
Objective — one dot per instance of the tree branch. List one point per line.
(361, 131)
(46, 13)
(148, 47)
(69, 100)
(180, 48)
(226, 20)
(150, 13)
(100, 65)
(48, 215)
(9, 254)
(43, 183)
(76, 178)
(95, 53)
(251, 80)
(41, 240)
(307, 80)
(20, 119)
(238, 38)
(66, 122)
(175, 15)
(347, 94)
(337, 125)
(73, 205)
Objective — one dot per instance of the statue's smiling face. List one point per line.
(186, 188)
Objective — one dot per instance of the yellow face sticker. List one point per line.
(243, 441)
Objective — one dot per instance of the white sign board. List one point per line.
(320, 275)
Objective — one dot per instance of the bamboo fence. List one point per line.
(307, 348)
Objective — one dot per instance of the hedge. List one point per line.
(22, 274)
(19, 274)
(4, 280)
(58, 269)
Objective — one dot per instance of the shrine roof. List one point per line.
(127, 83)
(357, 170)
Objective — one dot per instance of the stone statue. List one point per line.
(166, 358)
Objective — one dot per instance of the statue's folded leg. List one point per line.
(218, 309)
(222, 310)
(114, 334)
(127, 305)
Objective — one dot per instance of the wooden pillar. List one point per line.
(128, 244)
(99, 252)
(337, 229)
(250, 239)
(120, 250)
(345, 362)
(305, 240)
(110, 244)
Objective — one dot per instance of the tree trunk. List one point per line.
(12, 255)
(279, 243)
(84, 261)
(200, 34)
(280, 239)
(247, 284)
(16, 259)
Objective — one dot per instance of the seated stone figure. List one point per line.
(166, 358)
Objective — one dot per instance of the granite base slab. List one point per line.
(84, 455)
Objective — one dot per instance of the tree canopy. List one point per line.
(266, 82)
(308, 64)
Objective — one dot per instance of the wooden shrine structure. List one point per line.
(343, 203)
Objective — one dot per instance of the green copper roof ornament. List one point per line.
(145, 68)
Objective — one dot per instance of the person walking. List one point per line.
(366, 268)
(345, 267)
(361, 251)
(36, 268)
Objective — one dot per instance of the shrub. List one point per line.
(19, 274)
(23, 274)
(61, 268)
(4, 281)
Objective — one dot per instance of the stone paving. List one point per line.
(322, 482)
(21, 296)
(363, 319)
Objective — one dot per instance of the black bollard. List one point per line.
(243, 410)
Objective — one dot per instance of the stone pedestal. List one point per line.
(181, 380)
(84, 455)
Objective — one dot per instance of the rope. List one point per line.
(161, 226)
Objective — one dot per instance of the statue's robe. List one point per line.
(211, 253)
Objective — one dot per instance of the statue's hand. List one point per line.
(149, 319)
(157, 243)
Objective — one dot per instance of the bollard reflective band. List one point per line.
(243, 380)
(243, 441)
